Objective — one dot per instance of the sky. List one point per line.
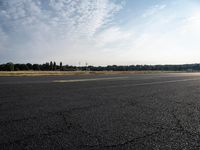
(100, 32)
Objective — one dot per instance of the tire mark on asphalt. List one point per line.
(124, 85)
(149, 83)
(140, 84)
(91, 79)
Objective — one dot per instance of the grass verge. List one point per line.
(70, 73)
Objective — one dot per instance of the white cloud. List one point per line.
(83, 30)
(54, 26)
(166, 37)
(67, 16)
(112, 35)
(192, 24)
(3, 40)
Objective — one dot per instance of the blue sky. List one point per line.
(100, 32)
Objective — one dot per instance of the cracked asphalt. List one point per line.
(142, 112)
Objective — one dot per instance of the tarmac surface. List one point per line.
(97, 112)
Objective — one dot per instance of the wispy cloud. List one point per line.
(154, 10)
(112, 35)
(99, 31)
(192, 23)
(43, 25)
(167, 36)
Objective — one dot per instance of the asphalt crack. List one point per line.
(134, 140)
(180, 127)
(78, 128)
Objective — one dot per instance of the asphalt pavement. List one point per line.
(101, 112)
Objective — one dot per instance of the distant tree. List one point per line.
(36, 67)
(54, 65)
(29, 66)
(24, 67)
(51, 65)
(47, 66)
(61, 67)
(9, 66)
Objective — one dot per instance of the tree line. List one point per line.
(52, 66)
(49, 66)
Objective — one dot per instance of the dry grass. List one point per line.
(67, 73)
